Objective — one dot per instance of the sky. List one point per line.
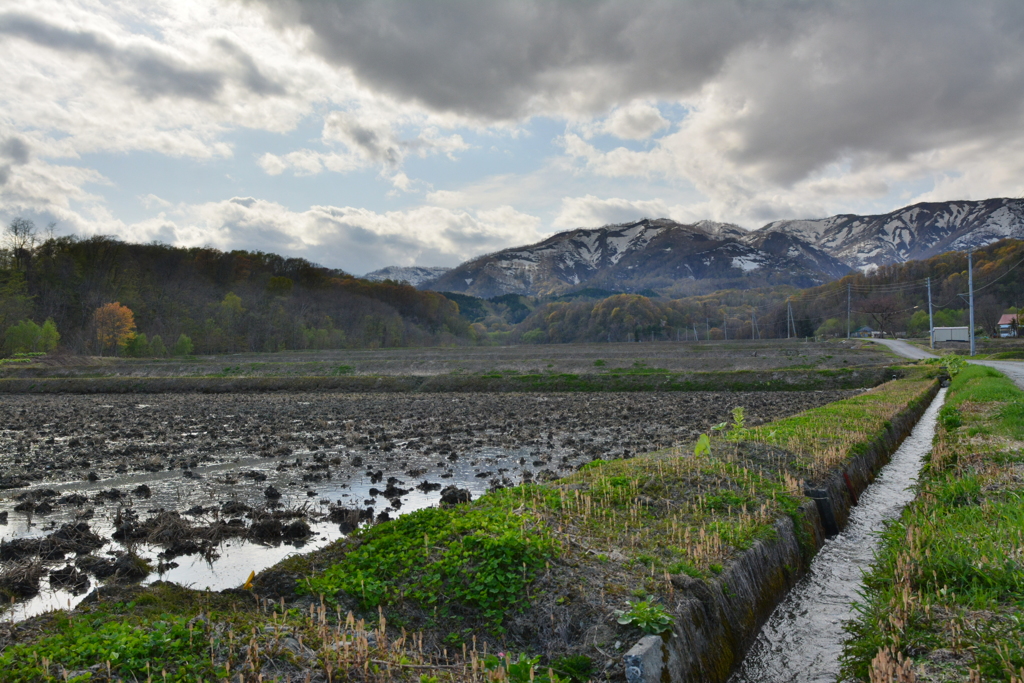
(365, 134)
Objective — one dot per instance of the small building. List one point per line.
(1009, 325)
(866, 333)
(956, 334)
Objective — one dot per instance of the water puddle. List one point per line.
(244, 480)
(802, 640)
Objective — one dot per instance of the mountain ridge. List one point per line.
(664, 254)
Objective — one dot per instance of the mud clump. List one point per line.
(453, 495)
(298, 530)
(265, 530)
(347, 519)
(234, 507)
(71, 578)
(126, 567)
(72, 538)
(271, 528)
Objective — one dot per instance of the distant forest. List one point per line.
(219, 301)
(60, 292)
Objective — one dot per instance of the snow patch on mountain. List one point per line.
(914, 232)
(413, 275)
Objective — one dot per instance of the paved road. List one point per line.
(1012, 369)
(904, 349)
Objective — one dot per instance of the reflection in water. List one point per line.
(803, 638)
(215, 484)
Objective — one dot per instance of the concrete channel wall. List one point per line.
(721, 618)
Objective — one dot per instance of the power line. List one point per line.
(1010, 270)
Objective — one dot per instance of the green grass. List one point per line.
(343, 378)
(950, 572)
(826, 436)
(981, 384)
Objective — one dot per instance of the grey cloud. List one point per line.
(149, 72)
(490, 59)
(377, 145)
(879, 82)
(800, 84)
(15, 149)
(251, 74)
(5, 174)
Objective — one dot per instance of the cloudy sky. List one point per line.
(365, 134)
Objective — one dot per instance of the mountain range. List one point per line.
(682, 259)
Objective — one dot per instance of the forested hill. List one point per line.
(224, 302)
(894, 298)
(891, 298)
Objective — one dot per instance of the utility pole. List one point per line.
(696, 337)
(931, 322)
(970, 294)
(707, 324)
(847, 310)
(789, 318)
(753, 326)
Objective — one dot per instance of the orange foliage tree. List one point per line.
(115, 325)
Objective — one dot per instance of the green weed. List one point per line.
(465, 559)
(648, 616)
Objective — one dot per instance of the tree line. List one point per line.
(200, 300)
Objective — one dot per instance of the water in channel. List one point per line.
(803, 638)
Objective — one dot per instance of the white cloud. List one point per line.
(151, 201)
(636, 121)
(355, 239)
(590, 211)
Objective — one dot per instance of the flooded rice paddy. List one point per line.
(207, 488)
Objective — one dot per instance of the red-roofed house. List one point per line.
(1009, 325)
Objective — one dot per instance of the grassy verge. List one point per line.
(945, 597)
(825, 437)
(743, 380)
(543, 569)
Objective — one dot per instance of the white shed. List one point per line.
(951, 334)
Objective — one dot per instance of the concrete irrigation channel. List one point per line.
(765, 620)
(803, 638)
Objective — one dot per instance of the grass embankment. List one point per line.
(648, 379)
(536, 569)
(945, 599)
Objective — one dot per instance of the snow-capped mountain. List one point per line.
(640, 255)
(414, 275)
(661, 253)
(914, 232)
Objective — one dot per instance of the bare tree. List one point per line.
(20, 238)
(885, 311)
(987, 311)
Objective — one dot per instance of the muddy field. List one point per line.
(201, 489)
(528, 359)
